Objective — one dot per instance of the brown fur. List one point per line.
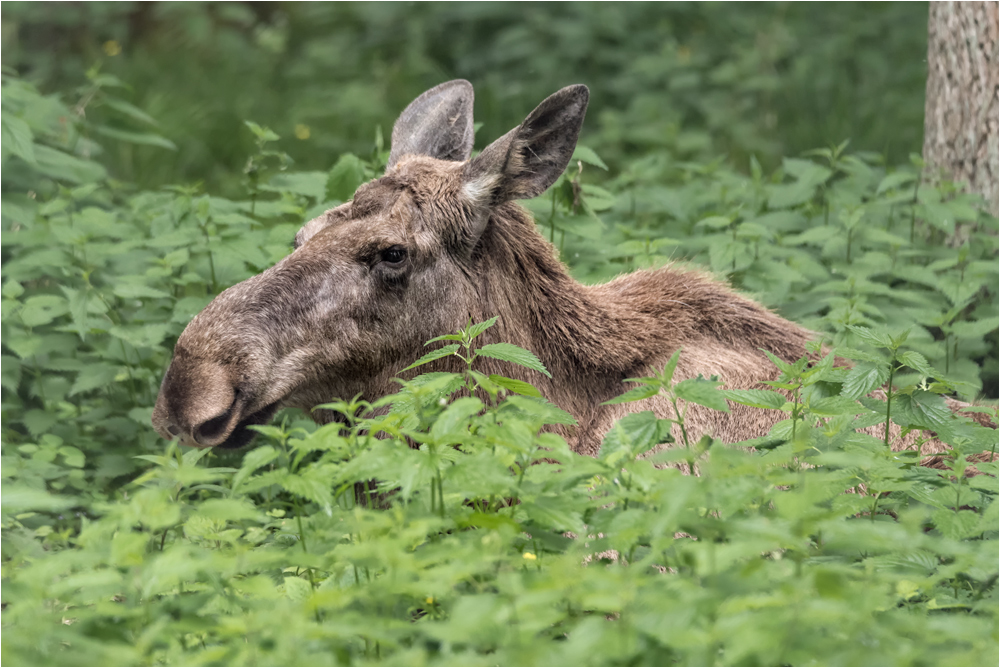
(337, 318)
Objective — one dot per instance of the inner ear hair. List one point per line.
(527, 160)
(437, 124)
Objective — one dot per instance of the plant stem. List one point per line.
(888, 398)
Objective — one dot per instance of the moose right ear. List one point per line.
(437, 124)
(527, 160)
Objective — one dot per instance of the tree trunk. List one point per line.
(960, 116)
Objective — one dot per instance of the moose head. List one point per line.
(372, 279)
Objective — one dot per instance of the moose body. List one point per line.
(437, 240)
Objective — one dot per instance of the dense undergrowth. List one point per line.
(493, 543)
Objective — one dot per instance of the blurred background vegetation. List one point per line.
(696, 80)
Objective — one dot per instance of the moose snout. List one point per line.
(198, 404)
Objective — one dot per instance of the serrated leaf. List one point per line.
(917, 362)
(480, 327)
(757, 398)
(345, 177)
(514, 385)
(895, 180)
(508, 352)
(435, 355)
(871, 337)
(973, 329)
(863, 378)
(634, 394)
(702, 392)
(18, 139)
(588, 156)
(92, 377)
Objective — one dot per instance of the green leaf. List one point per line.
(956, 524)
(130, 110)
(134, 290)
(757, 398)
(252, 461)
(917, 362)
(262, 133)
(668, 369)
(480, 327)
(871, 337)
(508, 352)
(587, 155)
(16, 138)
(62, 166)
(434, 355)
(973, 329)
(15, 498)
(514, 385)
(702, 392)
(895, 180)
(863, 378)
(634, 394)
(345, 177)
(43, 309)
(714, 222)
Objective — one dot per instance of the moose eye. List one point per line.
(393, 255)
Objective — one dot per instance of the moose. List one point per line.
(438, 240)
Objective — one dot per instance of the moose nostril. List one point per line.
(173, 429)
(212, 429)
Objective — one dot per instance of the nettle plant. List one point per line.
(445, 523)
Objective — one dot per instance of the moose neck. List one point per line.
(589, 343)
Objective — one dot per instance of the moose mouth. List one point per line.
(240, 435)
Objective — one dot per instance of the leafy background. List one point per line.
(155, 153)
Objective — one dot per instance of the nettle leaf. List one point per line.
(863, 378)
(956, 524)
(634, 394)
(587, 155)
(480, 327)
(917, 362)
(703, 392)
(435, 355)
(252, 461)
(43, 309)
(921, 409)
(895, 180)
(834, 406)
(135, 290)
(871, 337)
(514, 385)
(453, 423)
(973, 329)
(541, 409)
(345, 177)
(94, 376)
(310, 486)
(757, 398)
(508, 352)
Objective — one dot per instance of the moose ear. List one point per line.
(529, 158)
(437, 124)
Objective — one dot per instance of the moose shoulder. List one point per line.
(437, 240)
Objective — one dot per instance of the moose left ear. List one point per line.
(527, 160)
(437, 124)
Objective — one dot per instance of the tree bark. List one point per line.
(960, 114)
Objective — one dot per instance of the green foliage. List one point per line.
(692, 80)
(467, 531)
